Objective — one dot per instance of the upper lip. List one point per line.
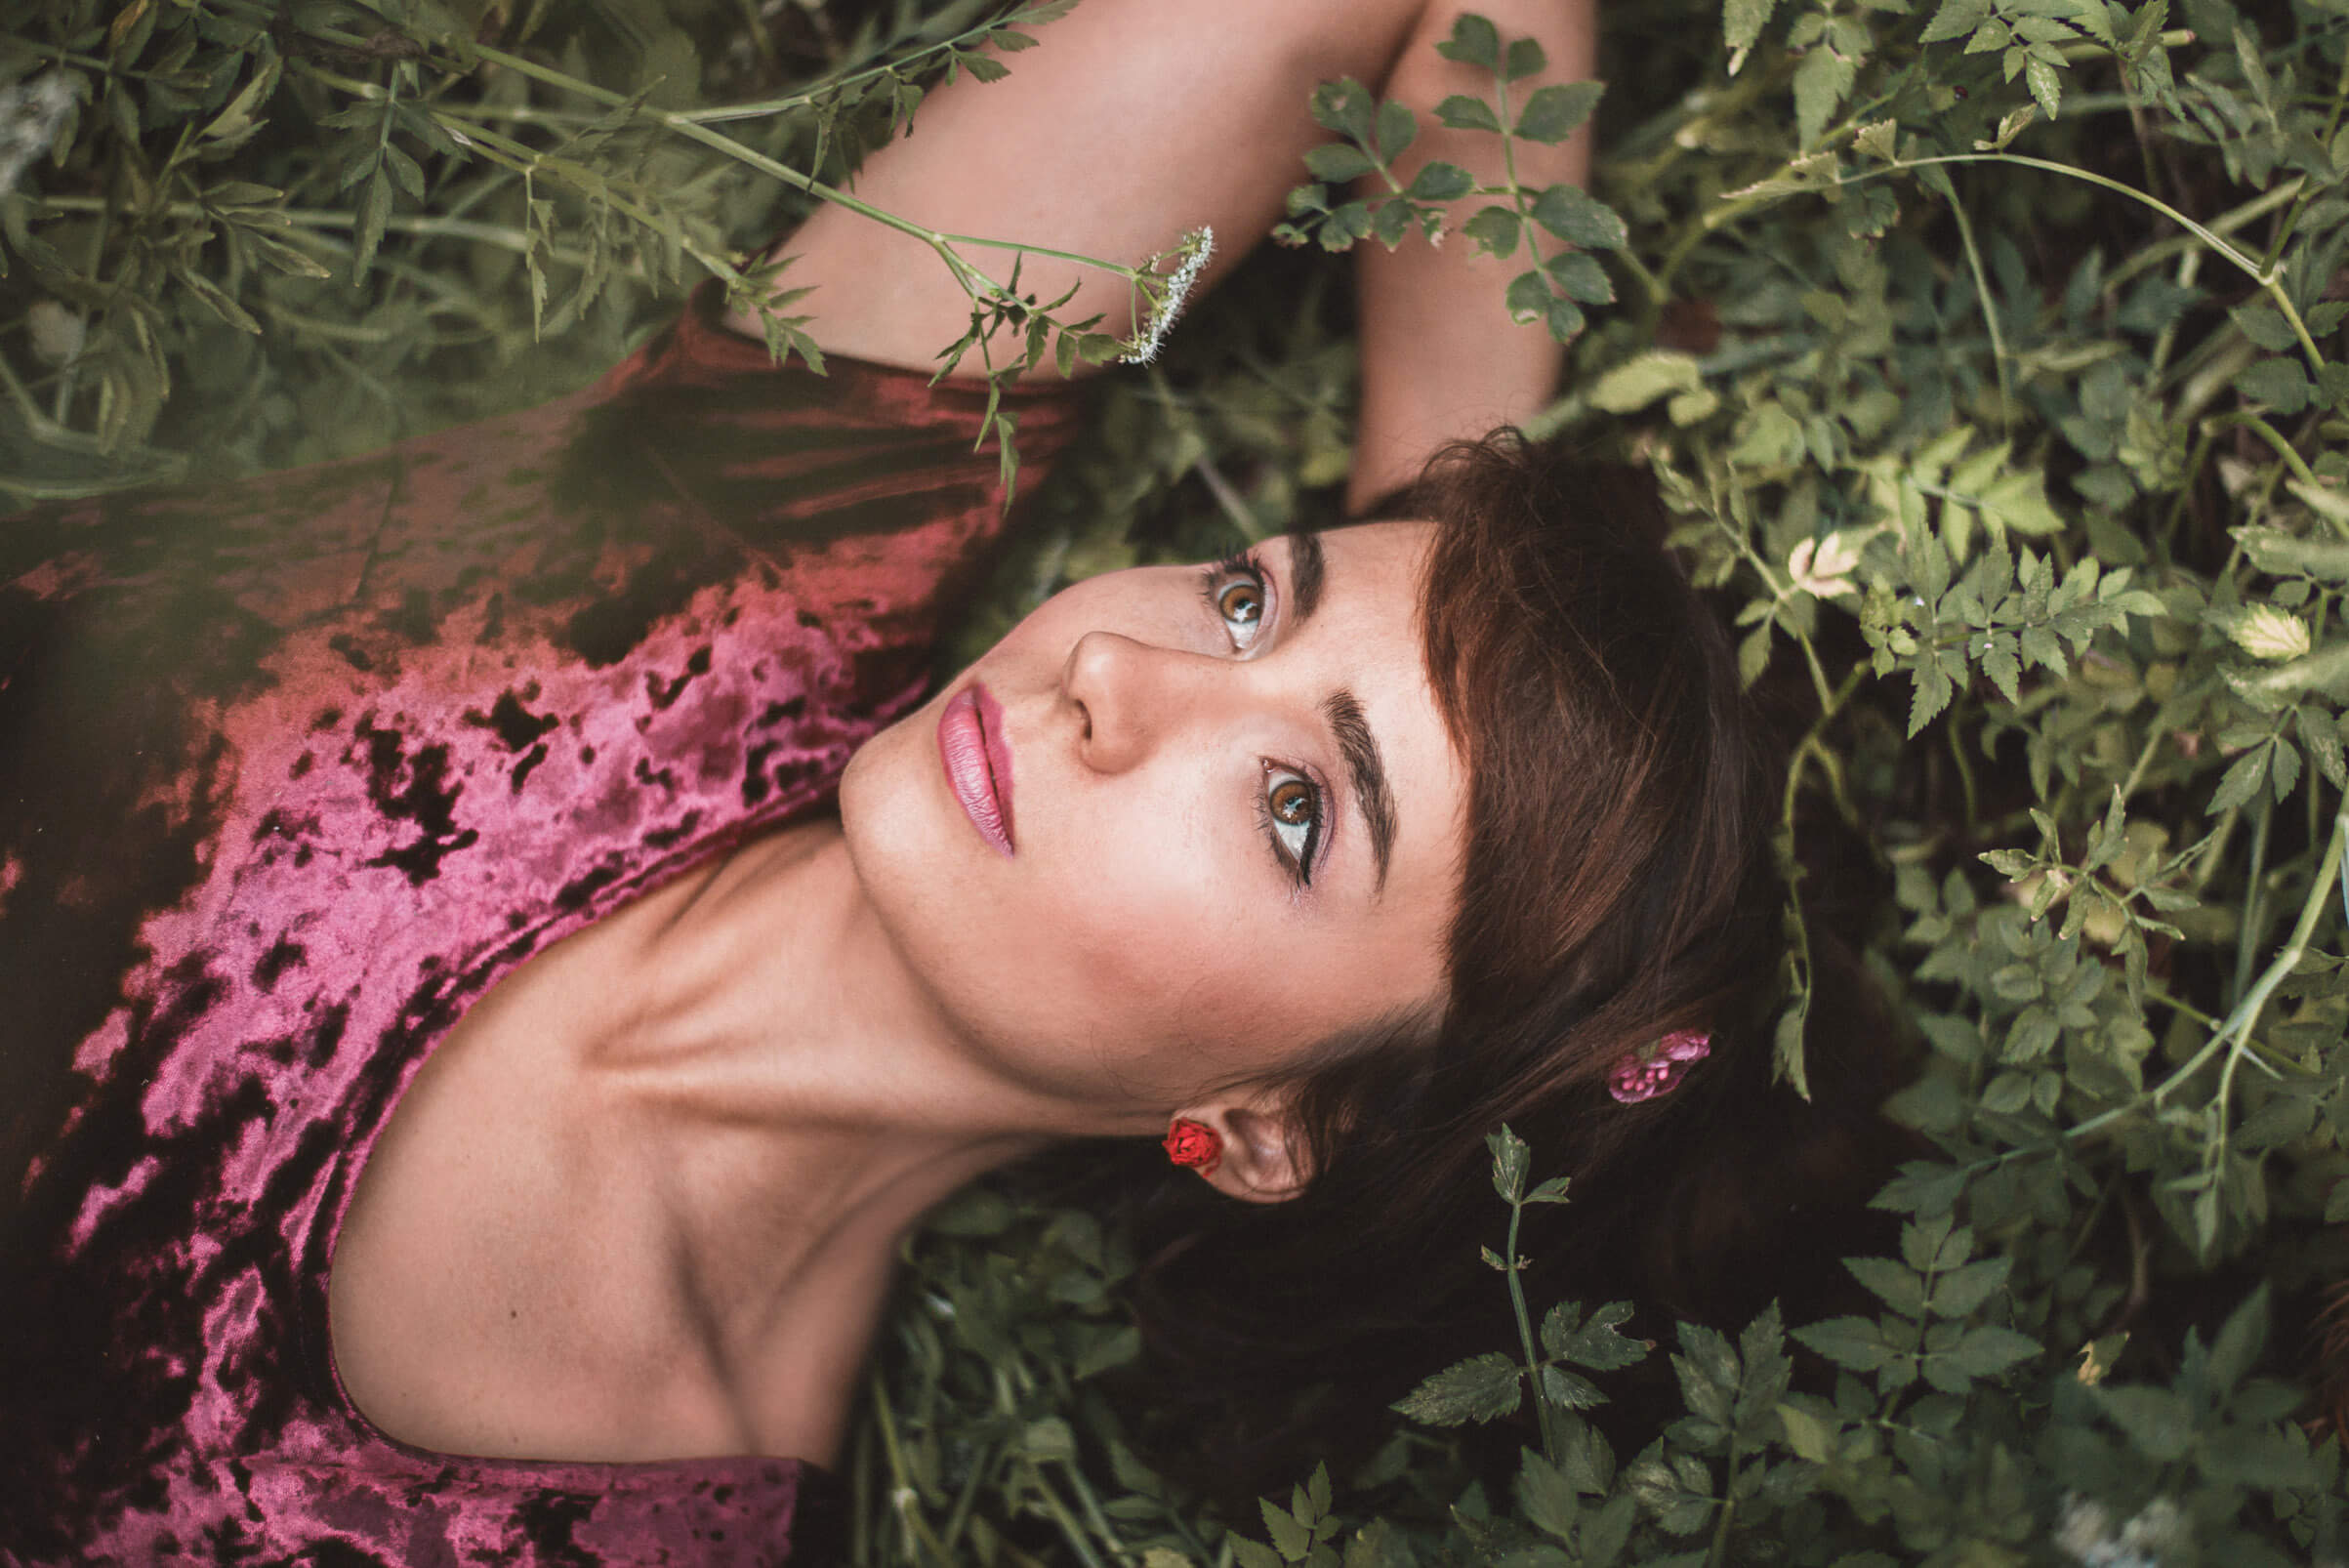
(979, 762)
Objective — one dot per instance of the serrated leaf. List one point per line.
(1479, 1388)
(1742, 23)
(1954, 18)
(1545, 1497)
(1579, 218)
(1290, 1538)
(1898, 1287)
(1848, 1342)
(1555, 113)
(1961, 1293)
(1524, 58)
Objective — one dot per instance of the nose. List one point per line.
(1130, 696)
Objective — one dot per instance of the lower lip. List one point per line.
(978, 766)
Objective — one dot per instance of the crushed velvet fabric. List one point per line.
(291, 773)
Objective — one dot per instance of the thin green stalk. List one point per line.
(2246, 929)
(1553, 1445)
(2269, 280)
(1990, 310)
(2270, 435)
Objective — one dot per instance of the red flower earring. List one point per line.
(1194, 1143)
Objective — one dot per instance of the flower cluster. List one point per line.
(1639, 1077)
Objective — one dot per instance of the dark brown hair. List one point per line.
(1616, 886)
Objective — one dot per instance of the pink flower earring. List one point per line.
(1645, 1075)
(1194, 1145)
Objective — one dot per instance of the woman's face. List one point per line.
(1178, 828)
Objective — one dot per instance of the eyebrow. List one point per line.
(1360, 749)
(1305, 569)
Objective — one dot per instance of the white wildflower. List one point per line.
(30, 113)
(1824, 566)
(2265, 632)
(1191, 260)
(2085, 1533)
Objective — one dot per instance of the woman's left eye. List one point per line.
(1236, 592)
(1291, 810)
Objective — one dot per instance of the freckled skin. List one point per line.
(1144, 944)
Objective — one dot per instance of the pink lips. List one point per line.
(978, 764)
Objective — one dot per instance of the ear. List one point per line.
(1265, 1159)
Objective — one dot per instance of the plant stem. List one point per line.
(1552, 1447)
(1990, 310)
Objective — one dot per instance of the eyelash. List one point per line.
(1297, 864)
(1215, 578)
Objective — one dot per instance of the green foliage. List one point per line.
(1989, 359)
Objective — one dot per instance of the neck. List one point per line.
(785, 1083)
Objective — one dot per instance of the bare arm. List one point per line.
(1130, 123)
(1135, 120)
(1441, 358)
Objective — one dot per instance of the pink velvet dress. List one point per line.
(291, 773)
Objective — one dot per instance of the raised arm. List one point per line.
(1130, 123)
(1441, 359)
(1135, 120)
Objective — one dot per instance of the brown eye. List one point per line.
(1292, 820)
(1241, 603)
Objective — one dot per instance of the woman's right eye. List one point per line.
(1235, 591)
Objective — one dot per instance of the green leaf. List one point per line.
(1961, 1293)
(1742, 23)
(2281, 384)
(1848, 1342)
(1901, 1289)
(2157, 1421)
(1462, 112)
(1579, 219)
(1528, 298)
(1397, 127)
(1595, 1345)
(1987, 1351)
(1545, 1497)
(1552, 1191)
(1290, 1538)
(1819, 82)
(1252, 1554)
(1338, 162)
(1474, 42)
(1555, 113)
(1495, 231)
(1810, 1437)
(1479, 1388)
(1440, 182)
(1510, 1158)
(375, 212)
(1643, 378)
(1954, 18)
(1580, 277)
(1345, 106)
(1524, 59)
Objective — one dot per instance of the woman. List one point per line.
(469, 1088)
